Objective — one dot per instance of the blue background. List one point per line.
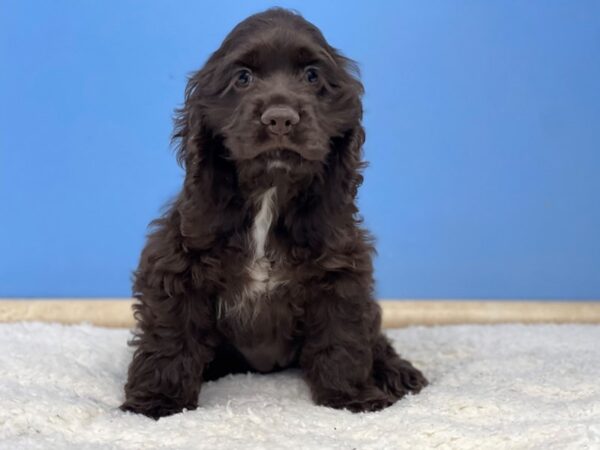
(483, 132)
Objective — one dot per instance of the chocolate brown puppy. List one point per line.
(261, 262)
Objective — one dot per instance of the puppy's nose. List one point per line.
(280, 119)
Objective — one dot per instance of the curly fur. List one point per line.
(210, 300)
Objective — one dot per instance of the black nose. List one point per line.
(280, 119)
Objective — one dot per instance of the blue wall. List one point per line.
(483, 132)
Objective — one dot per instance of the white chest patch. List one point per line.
(262, 278)
(262, 222)
(259, 266)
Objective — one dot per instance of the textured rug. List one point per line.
(502, 386)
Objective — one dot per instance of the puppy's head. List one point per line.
(275, 95)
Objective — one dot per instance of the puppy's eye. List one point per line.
(311, 75)
(243, 78)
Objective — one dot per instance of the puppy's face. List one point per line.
(278, 94)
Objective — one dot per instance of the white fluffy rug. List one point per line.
(503, 386)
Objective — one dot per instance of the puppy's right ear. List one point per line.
(189, 133)
(207, 205)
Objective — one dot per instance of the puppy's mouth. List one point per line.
(280, 158)
(288, 150)
(277, 153)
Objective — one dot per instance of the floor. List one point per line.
(492, 386)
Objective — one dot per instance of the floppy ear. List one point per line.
(208, 204)
(188, 119)
(345, 162)
(345, 165)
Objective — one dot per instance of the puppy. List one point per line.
(260, 263)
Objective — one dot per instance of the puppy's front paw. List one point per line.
(398, 377)
(369, 398)
(154, 407)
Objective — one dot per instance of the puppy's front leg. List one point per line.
(175, 341)
(337, 358)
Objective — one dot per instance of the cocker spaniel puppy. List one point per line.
(260, 263)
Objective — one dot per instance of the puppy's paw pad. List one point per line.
(153, 410)
(367, 399)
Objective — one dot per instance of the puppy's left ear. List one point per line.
(345, 160)
(346, 163)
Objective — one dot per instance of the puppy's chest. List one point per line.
(255, 312)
